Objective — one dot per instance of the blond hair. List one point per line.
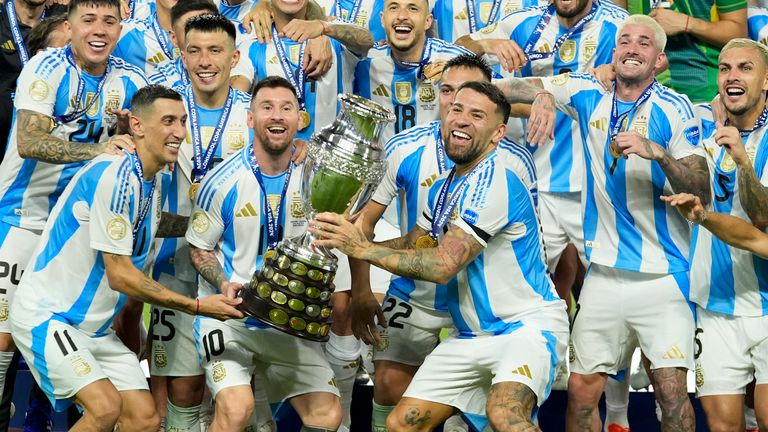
(644, 20)
(747, 43)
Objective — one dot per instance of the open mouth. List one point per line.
(277, 131)
(206, 77)
(460, 136)
(98, 46)
(402, 31)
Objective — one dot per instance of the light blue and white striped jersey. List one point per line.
(412, 169)
(729, 280)
(507, 285)
(398, 87)
(173, 253)
(453, 16)
(143, 9)
(48, 85)
(367, 14)
(170, 74)
(229, 218)
(559, 161)
(757, 24)
(626, 225)
(98, 212)
(234, 12)
(259, 60)
(144, 44)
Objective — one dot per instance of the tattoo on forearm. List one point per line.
(513, 403)
(172, 225)
(357, 39)
(686, 175)
(671, 392)
(753, 196)
(155, 293)
(208, 266)
(34, 141)
(518, 90)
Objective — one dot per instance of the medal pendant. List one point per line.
(193, 190)
(304, 119)
(425, 242)
(614, 151)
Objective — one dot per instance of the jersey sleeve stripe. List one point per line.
(118, 190)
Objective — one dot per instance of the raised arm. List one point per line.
(123, 276)
(356, 39)
(210, 269)
(34, 141)
(729, 25)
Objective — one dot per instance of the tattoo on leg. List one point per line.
(672, 394)
(413, 417)
(510, 406)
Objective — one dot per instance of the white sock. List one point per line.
(343, 353)
(261, 419)
(616, 402)
(455, 424)
(749, 416)
(5, 363)
(182, 419)
(379, 417)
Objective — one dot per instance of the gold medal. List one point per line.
(614, 151)
(425, 242)
(193, 190)
(304, 119)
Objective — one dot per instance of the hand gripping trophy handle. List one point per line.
(345, 163)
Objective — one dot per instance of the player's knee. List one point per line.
(723, 425)
(186, 391)
(326, 417)
(396, 422)
(105, 410)
(147, 422)
(233, 409)
(501, 418)
(584, 390)
(388, 386)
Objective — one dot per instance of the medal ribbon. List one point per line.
(617, 120)
(761, 121)
(18, 39)
(273, 221)
(423, 62)
(443, 210)
(144, 205)
(202, 160)
(131, 7)
(162, 37)
(442, 165)
(352, 17)
(542, 24)
(297, 76)
(76, 114)
(472, 17)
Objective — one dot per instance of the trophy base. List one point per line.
(292, 291)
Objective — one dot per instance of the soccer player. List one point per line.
(228, 240)
(217, 128)
(92, 248)
(146, 43)
(285, 55)
(64, 111)
(457, 18)
(643, 140)
(483, 245)
(172, 73)
(757, 23)
(728, 284)
(365, 13)
(415, 311)
(402, 74)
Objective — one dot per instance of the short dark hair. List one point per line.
(73, 4)
(209, 23)
(146, 96)
(470, 61)
(274, 81)
(40, 36)
(184, 7)
(493, 93)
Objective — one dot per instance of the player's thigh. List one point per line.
(510, 403)
(553, 233)
(226, 354)
(139, 412)
(600, 332)
(391, 380)
(412, 332)
(661, 316)
(16, 248)
(174, 351)
(722, 355)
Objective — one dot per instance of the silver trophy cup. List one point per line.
(345, 163)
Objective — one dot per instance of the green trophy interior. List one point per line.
(332, 192)
(365, 125)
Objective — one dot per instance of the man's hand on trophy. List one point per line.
(230, 289)
(300, 147)
(219, 306)
(364, 308)
(334, 231)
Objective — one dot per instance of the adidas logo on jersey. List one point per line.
(246, 211)
(273, 60)
(381, 90)
(674, 353)
(461, 15)
(523, 370)
(429, 181)
(9, 46)
(601, 123)
(156, 59)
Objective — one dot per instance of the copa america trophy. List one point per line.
(292, 290)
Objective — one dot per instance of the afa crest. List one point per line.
(403, 92)
(427, 92)
(568, 51)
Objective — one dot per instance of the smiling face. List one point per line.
(742, 79)
(406, 23)
(570, 8)
(274, 117)
(290, 7)
(636, 55)
(209, 58)
(450, 82)
(162, 127)
(95, 31)
(471, 127)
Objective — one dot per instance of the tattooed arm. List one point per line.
(686, 175)
(124, 277)
(210, 269)
(356, 39)
(439, 264)
(172, 225)
(753, 195)
(542, 115)
(34, 141)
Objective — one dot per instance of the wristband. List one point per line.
(197, 306)
(541, 92)
(687, 21)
